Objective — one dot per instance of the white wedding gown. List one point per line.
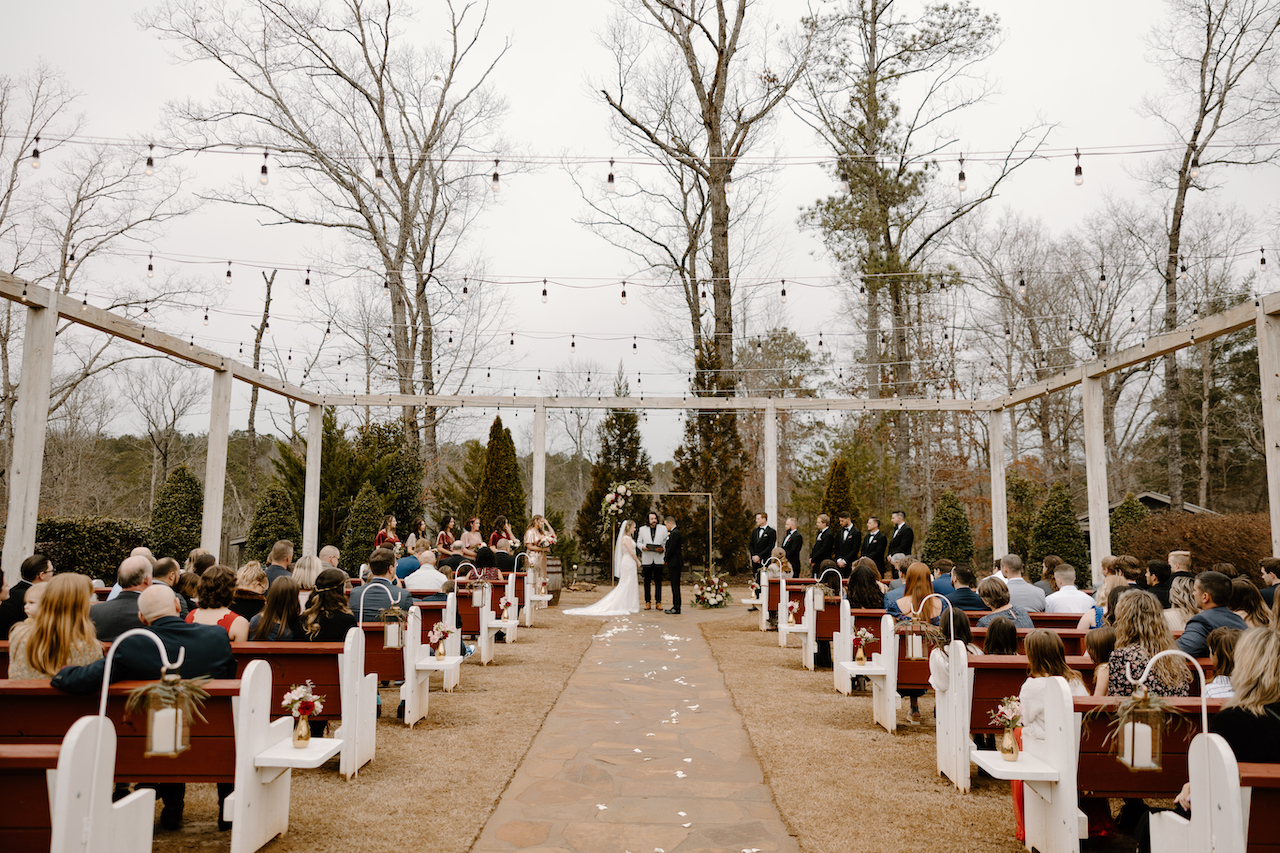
(623, 599)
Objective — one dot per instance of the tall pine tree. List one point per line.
(501, 490)
(836, 495)
(620, 458)
(710, 460)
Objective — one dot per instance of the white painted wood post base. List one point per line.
(884, 688)
(84, 818)
(1219, 821)
(359, 727)
(842, 650)
(809, 628)
(953, 710)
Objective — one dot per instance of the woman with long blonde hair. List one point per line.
(1141, 634)
(1182, 603)
(60, 634)
(1095, 617)
(538, 539)
(305, 572)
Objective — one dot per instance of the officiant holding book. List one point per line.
(651, 541)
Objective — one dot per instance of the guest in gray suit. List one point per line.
(112, 618)
(1027, 596)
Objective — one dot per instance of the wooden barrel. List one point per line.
(555, 577)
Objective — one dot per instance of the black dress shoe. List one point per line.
(673, 611)
(170, 818)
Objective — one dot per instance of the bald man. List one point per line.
(112, 618)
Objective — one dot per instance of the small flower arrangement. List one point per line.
(506, 601)
(754, 586)
(711, 591)
(1008, 714)
(793, 607)
(303, 701)
(438, 633)
(618, 498)
(862, 637)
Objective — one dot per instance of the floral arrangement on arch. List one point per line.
(711, 591)
(863, 638)
(438, 633)
(303, 701)
(619, 497)
(1008, 714)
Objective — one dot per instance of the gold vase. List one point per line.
(860, 658)
(1009, 746)
(791, 618)
(302, 733)
(440, 652)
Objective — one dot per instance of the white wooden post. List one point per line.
(540, 459)
(30, 415)
(1269, 372)
(311, 487)
(1095, 466)
(215, 466)
(999, 505)
(771, 463)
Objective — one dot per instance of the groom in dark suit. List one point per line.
(675, 562)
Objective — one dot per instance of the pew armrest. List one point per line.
(1028, 768)
(285, 756)
(871, 670)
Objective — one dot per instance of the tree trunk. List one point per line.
(253, 395)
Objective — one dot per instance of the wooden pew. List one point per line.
(1260, 784)
(419, 663)
(388, 664)
(295, 662)
(1218, 811)
(80, 796)
(1055, 620)
(27, 774)
(781, 591)
(478, 620)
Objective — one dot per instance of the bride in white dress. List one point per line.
(624, 599)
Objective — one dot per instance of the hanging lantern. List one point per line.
(168, 727)
(1141, 732)
(914, 638)
(477, 594)
(393, 627)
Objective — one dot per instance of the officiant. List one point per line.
(651, 541)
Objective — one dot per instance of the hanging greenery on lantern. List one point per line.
(171, 702)
(394, 620)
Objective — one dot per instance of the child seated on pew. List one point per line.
(1098, 645)
(31, 599)
(1222, 650)
(955, 626)
(1002, 638)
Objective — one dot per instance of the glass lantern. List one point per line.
(913, 637)
(168, 727)
(1141, 735)
(393, 625)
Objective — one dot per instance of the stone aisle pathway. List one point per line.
(643, 753)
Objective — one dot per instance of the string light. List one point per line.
(1133, 319)
(544, 291)
(1195, 166)
(573, 344)
(151, 163)
(1079, 171)
(1102, 276)
(1008, 333)
(728, 183)
(703, 300)
(450, 339)
(328, 333)
(1262, 261)
(634, 345)
(242, 353)
(35, 154)
(290, 359)
(513, 340)
(266, 327)
(609, 185)
(146, 312)
(206, 315)
(228, 272)
(84, 306)
(759, 346)
(306, 282)
(262, 173)
(1195, 314)
(1022, 285)
(377, 175)
(496, 185)
(151, 269)
(624, 293)
(386, 284)
(862, 291)
(465, 294)
(1182, 272)
(964, 184)
(784, 292)
(819, 339)
(192, 343)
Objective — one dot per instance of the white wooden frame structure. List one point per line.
(45, 307)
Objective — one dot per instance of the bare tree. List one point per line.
(164, 395)
(1220, 59)
(382, 136)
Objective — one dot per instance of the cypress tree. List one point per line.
(1021, 496)
(1124, 523)
(177, 515)
(949, 533)
(363, 523)
(275, 518)
(620, 459)
(837, 495)
(501, 490)
(1056, 531)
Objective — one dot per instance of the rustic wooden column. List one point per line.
(1095, 466)
(771, 463)
(215, 466)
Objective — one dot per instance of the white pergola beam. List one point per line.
(771, 463)
(999, 495)
(311, 483)
(215, 466)
(539, 460)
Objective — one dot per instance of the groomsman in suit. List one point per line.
(823, 546)
(792, 543)
(903, 537)
(847, 541)
(875, 543)
(675, 562)
(763, 538)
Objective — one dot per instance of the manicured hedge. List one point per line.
(93, 546)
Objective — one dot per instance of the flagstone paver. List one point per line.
(643, 753)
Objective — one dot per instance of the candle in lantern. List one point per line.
(164, 730)
(393, 635)
(1138, 745)
(915, 646)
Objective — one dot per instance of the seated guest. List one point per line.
(380, 591)
(1098, 613)
(279, 560)
(896, 571)
(217, 586)
(1098, 646)
(188, 587)
(251, 588)
(864, 589)
(1228, 569)
(1160, 581)
(1134, 570)
(1048, 566)
(1002, 636)
(918, 587)
(1247, 603)
(330, 556)
(428, 577)
(31, 601)
(486, 567)
(954, 627)
(962, 582)
(1213, 597)
(305, 572)
(1180, 562)
(113, 618)
(1141, 633)
(1222, 648)
(1030, 598)
(166, 572)
(190, 565)
(280, 618)
(207, 651)
(410, 562)
(1182, 603)
(328, 616)
(1250, 720)
(1269, 568)
(502, 556)
(58, 632)
(1068, 598)
(34, 569)
(942, 576)
(995, 594)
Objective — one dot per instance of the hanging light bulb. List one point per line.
(759, 346)
(703, 299)
(539, 378)
(1008, 333)
(728, 183)
(228, 272)
(573, 344)
(192, 343)
(784, 291)
(1182, 272)
(1079, 171)
(496, 184)
(328, 333)
(262, 173)
(1195, 166)
(1262, 261)
(35, 154)
(609, 185)
(862, 291)
(1133, 319)
(84, 306)
(306, 282)
(386, 284)
(964, 183)
(377, 174)
(1022, 285)
(290, 359)
(844, 182)
(465, 294)
(624, 293)
(206, 315)
(266, 327)
(544, 291)
(242, 347)
(513, 340)
(819, 339)
(1071, 326)
(146, 310)
(151, 269)
(634, 346)
(150, 168)
(1102, 276)
(1195, 314)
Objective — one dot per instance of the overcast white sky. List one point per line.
(1082, 66)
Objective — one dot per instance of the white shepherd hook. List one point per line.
(1146, 671)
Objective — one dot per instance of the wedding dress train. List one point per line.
(623, 599)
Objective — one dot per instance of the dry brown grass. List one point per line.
(434, 785)
(841, 782)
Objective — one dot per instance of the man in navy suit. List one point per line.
(963, 579)
(823, 545)
(792, 542)
(763, 538)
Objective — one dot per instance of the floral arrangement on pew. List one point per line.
(1008, 716)
(711, 591)
(303, 702)
(861, 639)
(506, 603)
(754, 586)
(793, 607)
(437, 635)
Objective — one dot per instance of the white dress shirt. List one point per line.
(1068, 599)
